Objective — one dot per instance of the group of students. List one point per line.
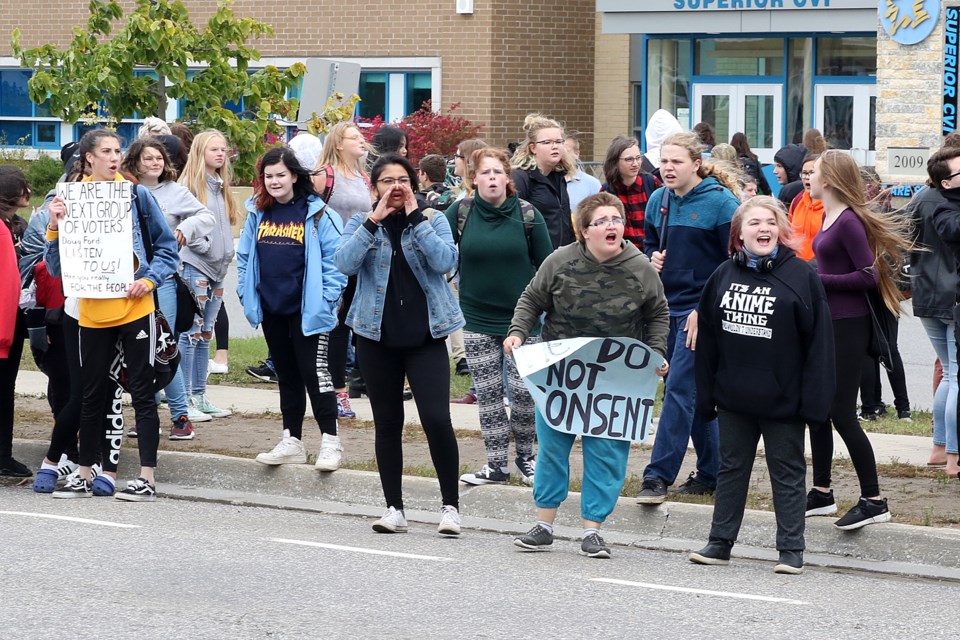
(674, 260)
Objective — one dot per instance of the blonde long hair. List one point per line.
(524, 158)
(331, 155)
(194, 174)
(887, 233)
(725, 173)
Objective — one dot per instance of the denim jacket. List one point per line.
(322, 283)
(430, 252)
(165, 261)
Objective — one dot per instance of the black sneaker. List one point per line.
(693, 487)
(654, 491)
(820, 504)
(486, 475)
(263, 372)
(76, 487)
(11, 467)
(462, 368)
(717, 552)
(138, 490)
(790, 563)
(526, 467)
(593, 546)
(904, 415)
(865, 512)
(537, 539)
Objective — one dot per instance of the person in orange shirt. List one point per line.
(806, 214)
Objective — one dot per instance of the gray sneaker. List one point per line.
(593, 546)
(654, 491)
(537, 539)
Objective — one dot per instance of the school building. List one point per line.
(871, 75)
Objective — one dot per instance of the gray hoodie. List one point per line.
(183, 212)
(213, 255)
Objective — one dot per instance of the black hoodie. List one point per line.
(791, 157)
(765, 342)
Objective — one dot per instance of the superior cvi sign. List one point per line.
(654, 17)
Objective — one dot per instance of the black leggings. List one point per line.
(63, 439)
(9, 368)
(301, 365)
(221, 329)
(851, 337)
(97, 356)
(428, 370)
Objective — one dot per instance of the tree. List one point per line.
(207, 69)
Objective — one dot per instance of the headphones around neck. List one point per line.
(765, 264)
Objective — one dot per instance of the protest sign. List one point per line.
(600, 387)
(96, 239)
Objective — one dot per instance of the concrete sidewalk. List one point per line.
(265, 398)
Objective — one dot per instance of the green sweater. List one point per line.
(496, 262)
(622, 297)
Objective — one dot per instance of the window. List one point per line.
(418, 90)
(14, 94)
(739, 57)
(847, 56)
(669, 87)
(373, 95)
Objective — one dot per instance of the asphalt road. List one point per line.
(176, 569)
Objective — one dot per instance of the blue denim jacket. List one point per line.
(430, 252)
(166, 259)
(322, 283)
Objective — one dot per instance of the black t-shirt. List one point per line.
(406, 321)
(283, 259)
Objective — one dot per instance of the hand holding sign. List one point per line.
(599, 387)
(96, 238)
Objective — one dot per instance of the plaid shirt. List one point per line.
(634, 199)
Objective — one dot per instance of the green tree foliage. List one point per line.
(95, 73)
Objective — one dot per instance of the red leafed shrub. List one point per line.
(429, 131)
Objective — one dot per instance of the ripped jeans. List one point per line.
(195, 343)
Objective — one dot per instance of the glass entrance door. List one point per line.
(754, 109)
(847, 117)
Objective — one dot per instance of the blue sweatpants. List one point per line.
(604, 470)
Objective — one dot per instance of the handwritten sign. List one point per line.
(96, 239)
(598, 387)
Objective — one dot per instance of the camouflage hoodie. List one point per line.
(622, 297)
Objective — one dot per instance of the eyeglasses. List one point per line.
(392, 181)
(632, 159)
(806, 174)
(458, 155)
(550, 143)
(952, 176)
(607, 222)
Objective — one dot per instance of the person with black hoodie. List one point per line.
(764, 367)
(786, 166)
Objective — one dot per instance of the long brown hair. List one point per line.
(887, 233)
(725, 173)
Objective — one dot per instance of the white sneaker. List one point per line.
(215, 367)
(288, 451)
(328, 459)
(391, 522)
(449, 521)
(202, 403)
(194, 415)
(95, 471)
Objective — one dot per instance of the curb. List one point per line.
(895, 549)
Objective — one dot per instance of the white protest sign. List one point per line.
(599, 387)
(96, 239)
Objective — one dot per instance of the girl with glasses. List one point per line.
(401, 314)
(627, 181)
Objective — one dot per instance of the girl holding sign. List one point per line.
(129, 320)
(764, 368)
(602, 285)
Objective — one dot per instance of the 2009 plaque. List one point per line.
(907, 161)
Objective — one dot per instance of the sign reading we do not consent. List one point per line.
(599, 387)
(96, 239)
